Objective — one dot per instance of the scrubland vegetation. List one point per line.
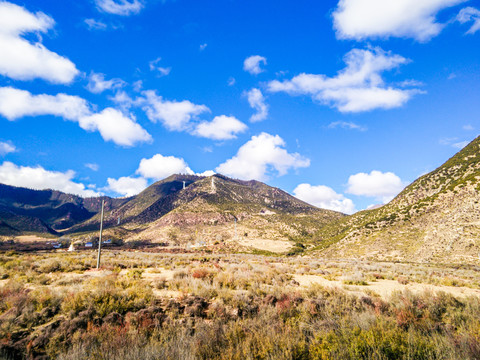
(214, 306)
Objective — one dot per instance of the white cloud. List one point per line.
(126, 186)
(460, 144)
(203, 46)
(257, 102)
(470, 14)
(252, 64)
(137, 85)
(257, 158)
(120, 7)
(162, 71)
(231, 81)
(6, 147)
(382, 186)
(175, 115)
(220, 128)
(15, 103)
(206, 173)
(40, 179)
(159, 167)
(111, 123)
(114, 126)
(122, 99)
(363, 19)
(347, 125)
(93, 24)
(453, 142)
(410, 83)
(22, 60)
(358, 87)
(92, 166)
(468, 127)
(324, 197)
(97, 83)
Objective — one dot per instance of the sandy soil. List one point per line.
(385, 288)
(277, 246)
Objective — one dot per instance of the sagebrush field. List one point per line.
(142, 305)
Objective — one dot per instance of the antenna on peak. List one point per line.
(184, 185)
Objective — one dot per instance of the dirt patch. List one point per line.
(152, 274)
(157, 274)
(32, 238)
(277, 246)
(385, 288)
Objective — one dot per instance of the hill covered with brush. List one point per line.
(436, 218)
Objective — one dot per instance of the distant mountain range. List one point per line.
(167, 211)
(45, 211)
(436, 218)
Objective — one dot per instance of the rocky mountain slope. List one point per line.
(436, 218)
(212, 209)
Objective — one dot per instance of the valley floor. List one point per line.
(143, 305)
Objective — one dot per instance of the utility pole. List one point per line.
(100, 239)
(184, 185)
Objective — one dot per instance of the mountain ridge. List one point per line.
(166, 206)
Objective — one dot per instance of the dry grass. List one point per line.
(205, 306)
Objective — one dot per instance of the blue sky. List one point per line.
(341, 103)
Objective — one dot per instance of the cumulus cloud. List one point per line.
(358, 87)
(159, 167)
(324, 197)
(257, 101)
(112, 124)
(470, 14)
(346, 125)
(363, 19)
(203, 46)
(40, 179)
(120, 7)
(252, 64)
(97, 83)
(126, 185)
(174, 115)
(6, 147)
(259, 157)
(15, 103)
(93, 24)
(381, 186)
(220, 128)
(21, 59)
